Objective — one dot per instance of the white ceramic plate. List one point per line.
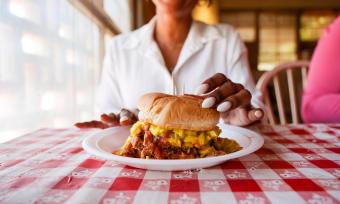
(102, 143)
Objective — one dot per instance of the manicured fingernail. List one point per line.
(140, 114)
(258, 114)
(124, 118)
(202, 89)
(208, 102)
(223, 107)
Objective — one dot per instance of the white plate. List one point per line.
(102, 143)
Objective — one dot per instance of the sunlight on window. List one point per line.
(85, 116)
(6, 105)
(247, 33)
(119, 11)
(33, 44)
(244, 23)
(25, 9)
(313, 23)
(18, 8)
(8, 49)
(81, 98)
(71, 57)
(266, 66)
(48, 54)
(61, 122)
(64, 31)
(286, 47)
(48, 101)
(277, 39)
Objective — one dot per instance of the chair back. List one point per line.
(274, 76)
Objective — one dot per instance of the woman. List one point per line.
(321, 99)
(173, 50)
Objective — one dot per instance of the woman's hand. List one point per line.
(232, 100)
(124, 117)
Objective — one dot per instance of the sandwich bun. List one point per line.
(177, 112)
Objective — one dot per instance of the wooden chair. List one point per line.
(273, 75)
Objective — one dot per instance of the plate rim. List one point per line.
(92, 140)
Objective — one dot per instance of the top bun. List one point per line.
(177, 112)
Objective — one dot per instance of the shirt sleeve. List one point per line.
(108, 97)
(239, 70)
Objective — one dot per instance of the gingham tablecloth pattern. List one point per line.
(298, 164)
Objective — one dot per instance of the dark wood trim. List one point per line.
(97, 14)
(297, 33)
(134, 14)
(257, 43)
(101, 44)
(139, 13)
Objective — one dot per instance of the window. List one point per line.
(48, 66)
(277, 39)
(282, 35)
(313, 23)
(120, 12)
(244, 23)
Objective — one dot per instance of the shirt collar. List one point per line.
(142, 40)
(199, 34)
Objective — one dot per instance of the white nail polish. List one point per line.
(225, 106)
(202, 89)
(208, 102)
(140, 114)
(258, 114)
(124, 118)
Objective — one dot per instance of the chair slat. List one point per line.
(269, 110)
(278, 95)
(304, 77)
(292, 96)
(272, 76)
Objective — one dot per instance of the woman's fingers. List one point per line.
(126, 117)
(221, 93)
(255, 114)
(92, 124)
(240, 99)
(107, 120)
(231, 99)
(224, 94)
(210, 84)
(110, 119)
(242, 116)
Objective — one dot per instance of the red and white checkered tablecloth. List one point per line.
(298, 164)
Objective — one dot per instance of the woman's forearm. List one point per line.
(323, 108)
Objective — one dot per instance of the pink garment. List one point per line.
(321, 99)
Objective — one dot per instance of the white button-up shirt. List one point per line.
(134, 65)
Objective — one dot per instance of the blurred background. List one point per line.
(51, 51)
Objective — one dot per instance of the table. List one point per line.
(298, 164)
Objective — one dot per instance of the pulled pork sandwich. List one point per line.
(175, 127)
